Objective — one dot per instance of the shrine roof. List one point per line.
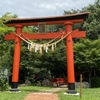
(75, 18)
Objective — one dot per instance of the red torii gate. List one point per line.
(67, 20)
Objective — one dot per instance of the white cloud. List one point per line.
(31, 8)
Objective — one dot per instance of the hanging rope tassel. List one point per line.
(55, 44)
(52, 48)
(46, 45)
(33, 45)
(30, 48)
(36, 47)
(46, 49)
(40, 49)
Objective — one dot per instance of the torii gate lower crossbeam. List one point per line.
(69, 46)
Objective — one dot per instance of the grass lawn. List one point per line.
(6, 95)
(87, 94)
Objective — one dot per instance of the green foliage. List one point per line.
(6, 56)
(3, 28)
(8, 15)
(3, 84)
(95, 82)
(92, 23)
(72, 11)
(54, 28)
(87, 54)
(33, 63)
(6, 47)
(29, 29)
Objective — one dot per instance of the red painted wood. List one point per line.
(47, 22)
(75, 34)
(58, 81)
(16, 62)
(78, 34)
(75, 18)
(69, 54)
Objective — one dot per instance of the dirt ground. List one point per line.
(45, 95)
(42, 96)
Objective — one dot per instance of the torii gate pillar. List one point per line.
(16, 62)
(70, 59)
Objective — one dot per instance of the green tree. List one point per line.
(92, 23)
(6, 49)
(87, 54)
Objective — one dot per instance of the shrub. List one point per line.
(95, 82)
(3, 84)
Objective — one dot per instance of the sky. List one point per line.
(40, 8)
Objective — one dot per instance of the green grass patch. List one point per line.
(6, 95)
(87, 94)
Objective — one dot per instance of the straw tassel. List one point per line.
(36, 48)
(30, 48)
(52, 48)
(55, 45)
(44, 47)
(33, 45)
(40, 49)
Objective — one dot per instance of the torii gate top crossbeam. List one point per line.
(75, 18)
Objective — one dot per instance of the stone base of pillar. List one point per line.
(71, 91)
(14, 87)
(71, 88)
(14, 90)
